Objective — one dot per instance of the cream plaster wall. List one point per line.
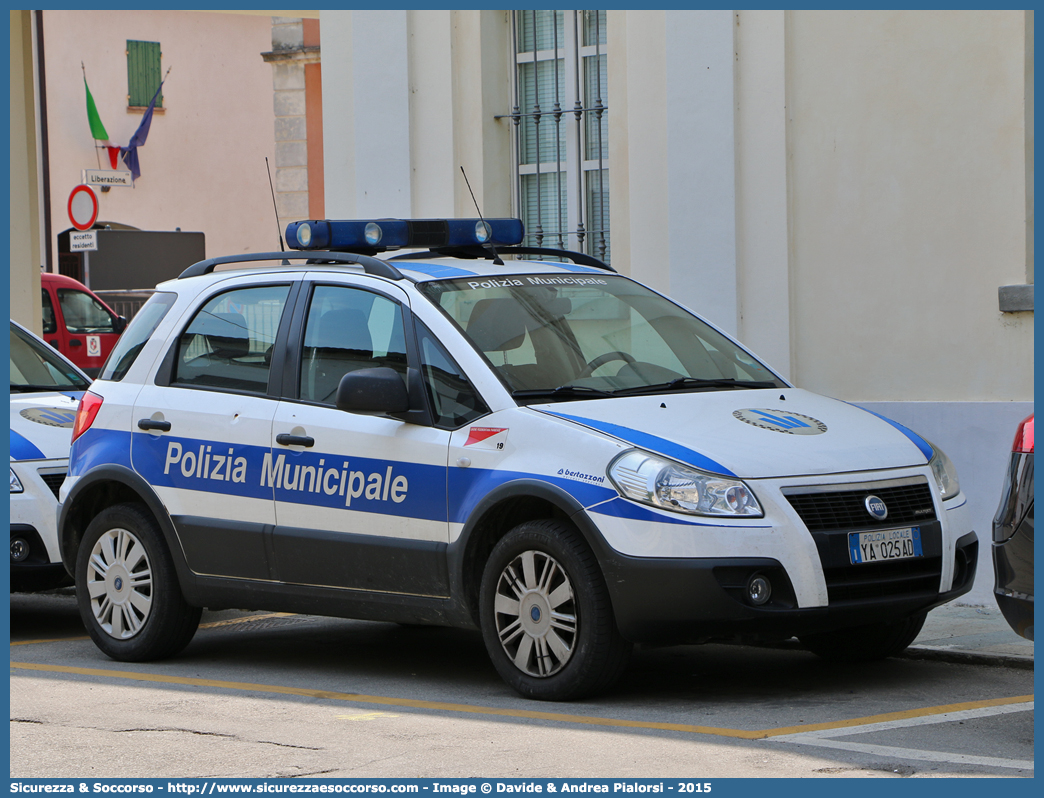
(907, 204)
(638, 167)
(396, 138)
(762, 242)
(25, 251)
(203, 165)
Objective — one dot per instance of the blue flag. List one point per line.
(130, 152)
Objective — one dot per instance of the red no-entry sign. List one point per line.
(83, 207)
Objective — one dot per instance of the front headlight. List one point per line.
(16, 486)
(945, 473)
(662, 483)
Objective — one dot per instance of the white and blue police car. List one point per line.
(45, 392)
(544, 450)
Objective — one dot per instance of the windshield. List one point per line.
(35, 367)
(550, 336)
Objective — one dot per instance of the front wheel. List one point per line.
(865, 643)
(127, 589)
(546, 617)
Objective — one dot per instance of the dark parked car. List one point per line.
(1013, 536)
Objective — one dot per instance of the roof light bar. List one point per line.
(378, 235)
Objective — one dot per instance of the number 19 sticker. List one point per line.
(487, 437)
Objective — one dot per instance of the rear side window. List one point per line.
(228, 344)
(136, 335)
(348, 329)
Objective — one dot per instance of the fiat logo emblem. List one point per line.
(877, 508)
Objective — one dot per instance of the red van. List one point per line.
(77, 323)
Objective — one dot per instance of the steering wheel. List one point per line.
(601, 360)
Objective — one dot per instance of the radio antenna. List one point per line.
(274, 208)
(490, 247)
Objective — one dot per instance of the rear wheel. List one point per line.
(546, 617)
(127, 589)
(865, 643)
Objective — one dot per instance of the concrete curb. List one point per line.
(964, 657)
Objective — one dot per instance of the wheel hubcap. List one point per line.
(119, 583)
(536, 614)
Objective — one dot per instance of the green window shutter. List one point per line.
(143, 73)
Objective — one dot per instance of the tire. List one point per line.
(127, 589)
(865, 643)
(546, 617)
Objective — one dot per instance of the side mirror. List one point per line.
(373, 391)
(119, 324)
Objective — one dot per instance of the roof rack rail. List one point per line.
(374, 266)
(579, 258)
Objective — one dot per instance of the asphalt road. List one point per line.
(264, 695)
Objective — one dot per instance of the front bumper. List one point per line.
(689, 601)
(677, 579)
(33, 512)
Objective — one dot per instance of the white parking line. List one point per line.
(825, 738)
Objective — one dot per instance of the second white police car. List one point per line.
(547, 451)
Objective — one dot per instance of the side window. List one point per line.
(83, 313)
(348, 329)
(453, 400)
(228, 343)
(50, 327)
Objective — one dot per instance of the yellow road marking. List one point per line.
(211, 625)
(367, 716)
(245, 619)
(517, 713)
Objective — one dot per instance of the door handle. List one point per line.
(75, 342)
(285, 439)
(149, 424)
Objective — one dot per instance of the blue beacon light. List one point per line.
(378, 235)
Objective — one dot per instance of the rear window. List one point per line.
(138, 332)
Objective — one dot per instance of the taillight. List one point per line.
(90, 404)
(1024, 437)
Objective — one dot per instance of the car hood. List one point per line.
(41, 424)
(753, 433)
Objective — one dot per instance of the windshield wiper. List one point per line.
(561, 392)
(687, 383)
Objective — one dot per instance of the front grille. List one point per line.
(879, 580)
(828, 511)
(54, 481)
(831, 514)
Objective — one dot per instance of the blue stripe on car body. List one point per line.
(653, 443)
(24, 449)
(434, 270)
(623, 508)
(918, 441)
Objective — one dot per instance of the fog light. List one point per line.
(759, 590)
(19, 550)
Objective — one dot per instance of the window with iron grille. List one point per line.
(561, 129)
(143, 73)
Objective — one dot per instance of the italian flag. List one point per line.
(97, 128)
